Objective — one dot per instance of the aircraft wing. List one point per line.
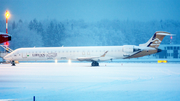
(95, 58)
(87, 58)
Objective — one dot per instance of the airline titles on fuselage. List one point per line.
(48, 55)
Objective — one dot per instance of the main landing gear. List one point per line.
(95, 63)
(13, 63)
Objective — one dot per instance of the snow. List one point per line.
(81, 82)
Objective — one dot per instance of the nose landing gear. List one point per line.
(13, 63)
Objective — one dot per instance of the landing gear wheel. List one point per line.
(13, 63)
(95, 63)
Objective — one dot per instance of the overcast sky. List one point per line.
(91, 10)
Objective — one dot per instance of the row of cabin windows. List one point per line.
(71, 51)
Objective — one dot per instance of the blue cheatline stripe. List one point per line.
(149, 44)
(154, 36)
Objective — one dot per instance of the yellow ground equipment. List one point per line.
(162, 61)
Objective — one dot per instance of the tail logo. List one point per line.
(156, 42)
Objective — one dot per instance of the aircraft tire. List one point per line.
(13, 63)
(95, 63)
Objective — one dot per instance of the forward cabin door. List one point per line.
(24, 55)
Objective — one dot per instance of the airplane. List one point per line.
(4, 37)
(94, 54)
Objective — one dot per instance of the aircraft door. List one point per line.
(24, 55)
(88, 53)
(83, 53)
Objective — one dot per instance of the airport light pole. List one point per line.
(7, 15)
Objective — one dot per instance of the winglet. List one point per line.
(104, 54)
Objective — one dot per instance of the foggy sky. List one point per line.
(91, 10)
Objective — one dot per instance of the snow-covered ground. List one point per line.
(81, 82)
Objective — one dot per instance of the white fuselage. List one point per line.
(98, 53)
(93, 54)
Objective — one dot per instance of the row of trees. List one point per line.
(53, 33)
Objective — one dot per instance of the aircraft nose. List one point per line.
(7, 57)
(159, 50)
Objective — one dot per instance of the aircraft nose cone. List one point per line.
(159, 50)
(7, 57)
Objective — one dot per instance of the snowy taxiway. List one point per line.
(81, 82)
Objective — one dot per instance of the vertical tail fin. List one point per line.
(155, 40)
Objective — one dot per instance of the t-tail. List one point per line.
(155, 40)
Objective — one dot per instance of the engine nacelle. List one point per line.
(130, 48)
